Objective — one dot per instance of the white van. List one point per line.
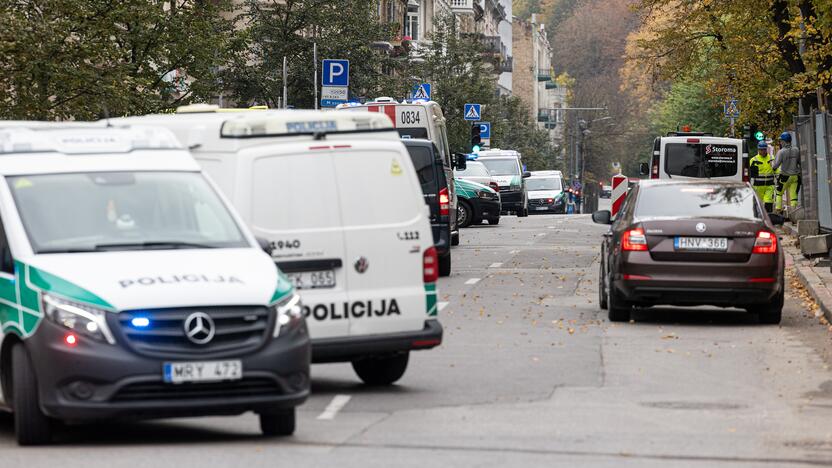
(506, 167)
(421, 120)
(336, 197)
(130, 289)
(696, 155)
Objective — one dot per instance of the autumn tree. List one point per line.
(83, 59)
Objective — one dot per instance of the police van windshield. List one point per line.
(473, 169)
(110, 211)
(502, 167)
(543, 183)
(701, 160)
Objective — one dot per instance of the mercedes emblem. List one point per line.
(199, 328)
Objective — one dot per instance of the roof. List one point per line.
(498, 153)
(49, 147)
(647, 183)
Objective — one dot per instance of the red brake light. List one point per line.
(430, 265)
(765, 243)
(634, 240)
(494, 185)
(444, 202)
(693, 140)
(654, 167)
(70, 340)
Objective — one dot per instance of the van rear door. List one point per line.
(293, 202)
(386, 232)
(701, 157)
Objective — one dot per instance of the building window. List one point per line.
(411, 26)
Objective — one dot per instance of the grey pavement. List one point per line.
(530, 374)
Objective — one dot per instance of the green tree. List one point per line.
(513, 129)
(81, 59)
(687, 103)
(342, 29)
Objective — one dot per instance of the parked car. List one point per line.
(691, 243)
(606, 191)
(546, 194)
(476, 171)
(696, 155)
(477, 203)
(506, 167)
(429, 169)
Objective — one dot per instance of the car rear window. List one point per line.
(729, 201)
(423, 161)
(701, 160)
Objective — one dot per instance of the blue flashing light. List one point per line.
(475, 149)
(140, 322)
(471, 156)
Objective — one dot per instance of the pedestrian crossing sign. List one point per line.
(732, 109)
(472, 112)
(421, 91)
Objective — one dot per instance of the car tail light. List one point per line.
(430, 265)
(654, 167)
(745, 175)
(634, 240)
(444, 202)
(494, 185)
(765, 243)
(636, 277)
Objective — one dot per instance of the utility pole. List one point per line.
(315, 61)
(285, 85)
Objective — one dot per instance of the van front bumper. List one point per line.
(356, 347)
(95, 380)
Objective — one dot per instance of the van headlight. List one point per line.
(80, 318)
(484, 194)
(289, 314)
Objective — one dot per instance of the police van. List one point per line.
(130, 289)
(420, 120)
(697, 155)
(506, 167)
(336, 198)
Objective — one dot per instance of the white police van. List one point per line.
(335, 197)
(130, 289)
(697, 155)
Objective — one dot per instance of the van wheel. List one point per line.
(618, 311)
(494, 221)
(278, 423)
(465, 214)
(31, 426)
(445, 265)
(381, 370)
(602, 290)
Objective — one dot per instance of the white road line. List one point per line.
(334, 406)
(495, 265)
(441, 305)
(473, 281)
(514, 252)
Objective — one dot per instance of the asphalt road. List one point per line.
(531, 374)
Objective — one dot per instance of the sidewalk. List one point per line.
(816, 279)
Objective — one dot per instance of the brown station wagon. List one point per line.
(691, 243)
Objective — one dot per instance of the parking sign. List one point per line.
(485, 130)
(335, 72)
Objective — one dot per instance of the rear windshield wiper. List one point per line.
(150, 245)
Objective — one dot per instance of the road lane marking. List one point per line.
(495, 265)
(473, 281)
(334, 406)
(441, 305)
(513, 252)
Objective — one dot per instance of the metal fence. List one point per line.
(813, 139)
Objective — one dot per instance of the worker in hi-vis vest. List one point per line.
(787, 161)
(762, 175)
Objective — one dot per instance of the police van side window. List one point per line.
(6, 262)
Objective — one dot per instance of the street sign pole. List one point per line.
(732, 126)
(315, 62)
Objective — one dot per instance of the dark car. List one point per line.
(477, 203)
(437, 193)
(691, 243)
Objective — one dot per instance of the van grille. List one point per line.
(237, 329)
(251, 387)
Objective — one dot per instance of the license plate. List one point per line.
(542, 208)
(205, 371)
(719, 244)
(313, 279)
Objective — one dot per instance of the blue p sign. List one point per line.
(485, 130)
(336, 73)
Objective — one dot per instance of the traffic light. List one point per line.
(476, 139)
(760, 136)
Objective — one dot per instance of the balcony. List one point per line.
(507, 65)
(462, 7)
(492, 44)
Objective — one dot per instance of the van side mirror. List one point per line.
(526, 174)
(460, 161)
(644, 169)
(265, 245)
(602, 217)
(776, 219)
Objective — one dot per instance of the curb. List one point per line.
(810, 280)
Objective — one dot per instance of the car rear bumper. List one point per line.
(355, 347)
(95, 380)
(645, 281)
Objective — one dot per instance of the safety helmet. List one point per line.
(786, 136)
(762, 145)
